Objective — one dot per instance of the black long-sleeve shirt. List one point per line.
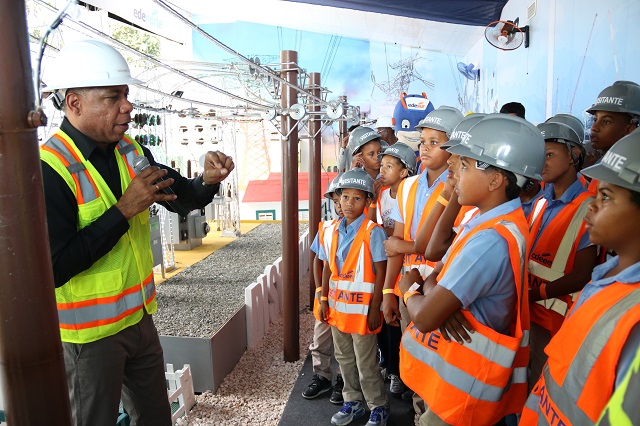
(73, 250)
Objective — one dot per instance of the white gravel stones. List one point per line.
(201, 298)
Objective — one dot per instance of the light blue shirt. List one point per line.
(346, 235)
(481, 276)
(315, 245)
(555, 206)
(423, 192)
(631, 275)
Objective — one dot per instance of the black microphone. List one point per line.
(140, 164)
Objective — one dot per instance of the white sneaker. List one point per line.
(396, 387)
(349, 412)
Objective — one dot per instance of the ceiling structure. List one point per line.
(452, 26)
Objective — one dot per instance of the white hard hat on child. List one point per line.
(384, 121)
(507, 142)
(88, 63)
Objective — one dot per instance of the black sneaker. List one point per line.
(318, 386)
(336, 395)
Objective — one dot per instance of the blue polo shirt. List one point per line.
(481, 277)
(346, 235)
(423, 192)
(631, 275)
(555, 206)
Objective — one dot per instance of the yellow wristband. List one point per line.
(543, 291)
(408, 294)
(318, 289)
(443, 200)
(324, 299)
(387, 291)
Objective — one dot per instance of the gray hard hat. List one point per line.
(505, 141)
(444, 119)
(360, 136)
(462, 129)
(570, 120)
(621, 164)
(562, 133)
(356, 178)
(331, 188)
(404, 153)
(621, 96)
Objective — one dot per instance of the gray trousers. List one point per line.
(127, 365)
(321, 350)
(356, 355)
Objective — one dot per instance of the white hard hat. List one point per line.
(88, 63)
(384, 121)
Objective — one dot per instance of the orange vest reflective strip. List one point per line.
(106, 310)
(465, 214)
(321, 228)
(406, 204)
(59, 145)
(577, 381)
(479, 382)
(128, 151)
(379, 205)
(351, 288)
(553, 256)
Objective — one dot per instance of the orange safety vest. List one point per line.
(351, 288)
(553, 256)
(379, 205)
(577, 381)
(321, 228)
(465, 214)
(477, 383)
(406, 204)
(592, 187)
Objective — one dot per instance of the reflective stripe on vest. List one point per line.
(110, 295)
(321, 228)
(623, 408)
(84, 187)
(351, 288)
(558, 241)
(406, 203)
(578, 379)
(102, 311)
(479, 382)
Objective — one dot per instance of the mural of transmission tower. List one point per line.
(405, 73)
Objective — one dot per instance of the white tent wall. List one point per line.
(577, 48)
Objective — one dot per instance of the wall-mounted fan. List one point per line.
(506, 35)
(469, 71)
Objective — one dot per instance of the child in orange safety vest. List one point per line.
(322, 346)
(481, 282)
(589, 357)
(352, 281)
(561, 257)
(397, 162)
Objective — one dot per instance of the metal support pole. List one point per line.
(290, 256)
(342, 125)
(32, 364)
(315, 163)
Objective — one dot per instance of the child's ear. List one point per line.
(496, 181)
(404, 173)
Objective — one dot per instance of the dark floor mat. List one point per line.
(318, 411)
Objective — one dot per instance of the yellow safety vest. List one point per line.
(110, 295)
(623, 408)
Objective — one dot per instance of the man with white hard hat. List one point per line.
(384, 126)
(97, 198)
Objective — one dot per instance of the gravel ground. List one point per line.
(257, 390)
(200, 299)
